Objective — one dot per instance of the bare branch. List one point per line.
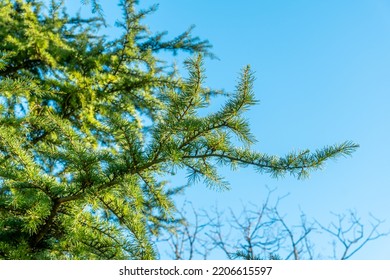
(353, 238)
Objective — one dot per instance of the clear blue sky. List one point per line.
(322, 77)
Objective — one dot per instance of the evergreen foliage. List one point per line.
(80, 172)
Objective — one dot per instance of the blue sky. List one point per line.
(322, 77)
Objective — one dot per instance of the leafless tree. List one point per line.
(184, 238)
(351, 234)
(262, 232)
